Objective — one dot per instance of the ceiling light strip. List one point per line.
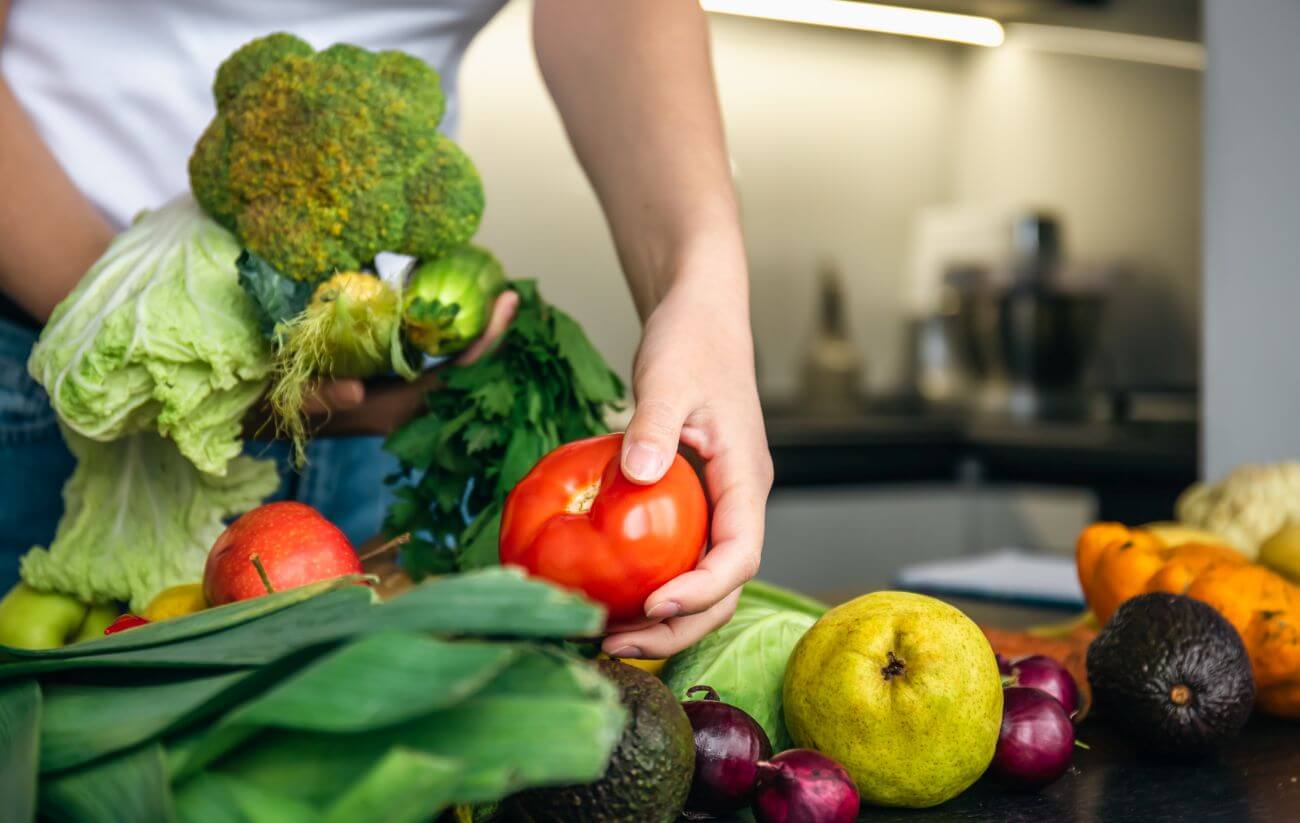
(934, 25)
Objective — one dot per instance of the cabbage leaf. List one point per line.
(139, 517)
(158, 336)
(744, 660)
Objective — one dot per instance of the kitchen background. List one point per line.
(889, 159)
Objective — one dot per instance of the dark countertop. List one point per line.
(1256, 778)
(1137, 469)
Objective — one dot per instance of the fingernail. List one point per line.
(627, 651)
(643, 462)
(664, 610)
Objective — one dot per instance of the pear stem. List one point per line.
(261, 572)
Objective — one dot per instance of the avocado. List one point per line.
(649, 773)
(1172, 674)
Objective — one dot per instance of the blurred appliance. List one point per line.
(1031, 336)
(833, 365)
(1024, 332)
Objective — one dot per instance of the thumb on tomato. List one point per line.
(650, 442)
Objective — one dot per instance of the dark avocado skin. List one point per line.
(1155, 643)
(649, 773)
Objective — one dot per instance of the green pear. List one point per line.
(903, 690)
(100, 617)
(33, 619)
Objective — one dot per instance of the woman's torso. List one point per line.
(121, 90)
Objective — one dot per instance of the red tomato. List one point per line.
(126, 621)
(577, 521)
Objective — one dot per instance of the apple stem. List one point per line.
(400, 540)
(261, 572)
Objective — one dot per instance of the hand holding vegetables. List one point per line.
(694, 385)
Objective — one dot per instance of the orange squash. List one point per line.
(1088, 548)
(1116, 563)
(1239, 593)
(1186, 563)
(1122, 571)
(1274, 635)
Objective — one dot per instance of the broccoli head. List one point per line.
(319, 160)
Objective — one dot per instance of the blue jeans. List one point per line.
(344, 477)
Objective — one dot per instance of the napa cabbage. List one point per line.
(151, 364)
(158, 336)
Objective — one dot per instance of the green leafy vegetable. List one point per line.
(218, 798)
(406, 786)
(139, 517)
(340, 708)
(129, 788)
(158, 336)
(391, 676)
(745, 659)
(545, 384)
(84, 721)
(161, 633)
(278, 298)
(490, 603)
(20, 723)
(547, 719)
(151, 363)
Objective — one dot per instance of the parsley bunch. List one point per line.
(486, 427)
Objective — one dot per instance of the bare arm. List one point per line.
(633, 82)
(49, 232)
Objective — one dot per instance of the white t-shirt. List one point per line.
(121, 89)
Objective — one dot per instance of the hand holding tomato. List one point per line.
(577, 521)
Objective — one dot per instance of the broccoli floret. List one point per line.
(319, 160)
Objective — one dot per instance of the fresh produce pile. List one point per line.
(312, 703)
(488, 425)
(1262, 606)
(256, 675)
(327, 236)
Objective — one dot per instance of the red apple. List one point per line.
(293, 542)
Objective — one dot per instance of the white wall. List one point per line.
(1252, 239)
(838, 138)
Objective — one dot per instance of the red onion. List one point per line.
(1036, 740)
(1041, 672)
(803, 786)
(728, 746)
